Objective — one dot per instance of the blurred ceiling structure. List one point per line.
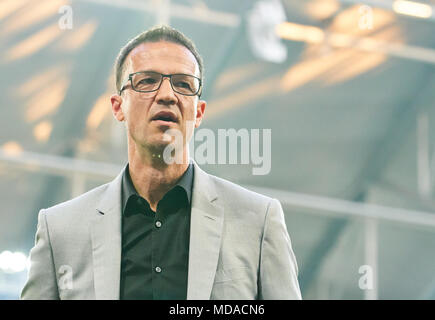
(347, 87)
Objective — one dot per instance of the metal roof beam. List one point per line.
(199, 12)
(388, 5)
(68, 167)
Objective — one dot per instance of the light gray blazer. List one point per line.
(239, 246)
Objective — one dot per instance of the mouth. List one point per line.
(165, 117)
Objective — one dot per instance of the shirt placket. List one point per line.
(156, 258)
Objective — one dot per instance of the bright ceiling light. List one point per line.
(297, 32)
(11, 262)
(12, 148)
(411, 8)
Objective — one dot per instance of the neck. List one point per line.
(152, 177)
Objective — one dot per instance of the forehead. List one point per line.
(164, 57)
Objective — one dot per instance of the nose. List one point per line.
(165, 94)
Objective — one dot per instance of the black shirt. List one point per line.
(155, 245)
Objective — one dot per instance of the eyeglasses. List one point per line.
(149, 81)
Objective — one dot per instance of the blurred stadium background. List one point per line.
(347, 87)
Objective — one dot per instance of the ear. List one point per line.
(200, 109)
(116, 101)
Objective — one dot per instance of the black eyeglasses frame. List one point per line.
(130, 79)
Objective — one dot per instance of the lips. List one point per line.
(165, 116)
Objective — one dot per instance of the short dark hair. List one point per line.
(155, 34)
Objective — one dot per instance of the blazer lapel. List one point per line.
(106, 242)
(205, 237)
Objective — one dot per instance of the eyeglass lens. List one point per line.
(150, 81)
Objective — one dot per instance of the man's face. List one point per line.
(140, 110)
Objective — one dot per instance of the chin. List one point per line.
(157, 144)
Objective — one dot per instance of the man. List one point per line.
(162, 229)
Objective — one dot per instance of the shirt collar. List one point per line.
(128, 189)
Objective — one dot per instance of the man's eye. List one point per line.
(147, 81)
(182, 84)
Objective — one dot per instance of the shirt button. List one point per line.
(158, 269)
(158, 224)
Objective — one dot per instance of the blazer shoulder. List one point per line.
(241, 196)
(80, 204)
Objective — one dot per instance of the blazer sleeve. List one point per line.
(278, 267)
(41, 282)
